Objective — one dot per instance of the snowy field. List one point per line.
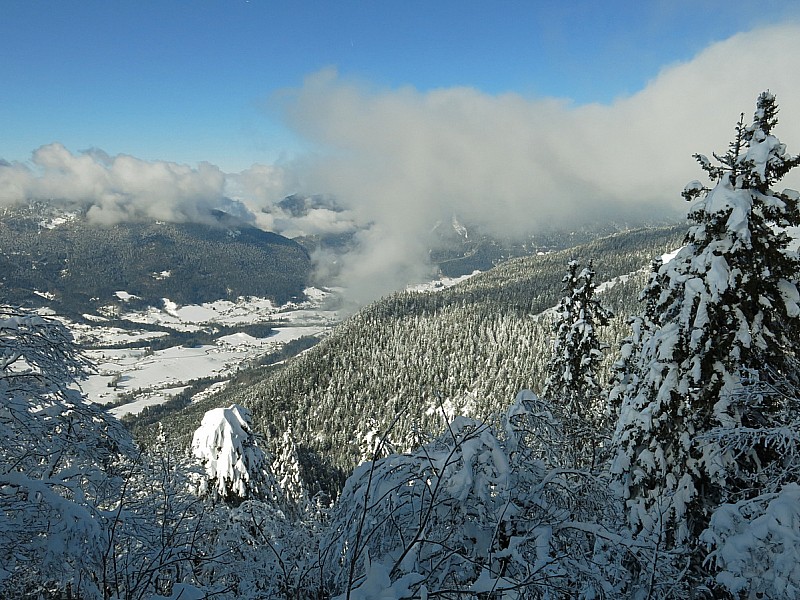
(152, 377)
(149, 377)
(439, 284)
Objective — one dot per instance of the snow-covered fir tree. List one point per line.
(572, 382)
(288, 474)
(721, 324)
(236, 467)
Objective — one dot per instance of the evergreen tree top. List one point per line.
(755, 160)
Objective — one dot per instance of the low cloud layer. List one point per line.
(120, 188)
(400, 160)
(404, 159)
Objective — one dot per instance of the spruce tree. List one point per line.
(288, 475)
(720, 327)
(236, 468)
(572, 372)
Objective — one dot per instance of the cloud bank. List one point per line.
(401, 160)
(404, 159)
(120, 188)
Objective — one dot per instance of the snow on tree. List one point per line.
(260, 553)
(235, 465)
(58, 463)
(288, 474)
(160, 534)
(756, 552)
(625, 376)
(577, 353)
(373, 443)
(722, 321)
(83, 514)
(477, 511)
(752, 539)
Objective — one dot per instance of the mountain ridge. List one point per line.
(73, 266)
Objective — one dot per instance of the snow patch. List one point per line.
(790, 297)
(665, 258)
(209, 391)
(124, 296)
(439, 284)
(54, 222)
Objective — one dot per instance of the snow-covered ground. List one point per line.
(439, 284)
(607, 285)
(152, 377)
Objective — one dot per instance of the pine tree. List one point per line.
(572, 372)
(236, 467)
(721, 323)
(288, 474)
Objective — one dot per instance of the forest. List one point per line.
(80, 265)
(533, 432)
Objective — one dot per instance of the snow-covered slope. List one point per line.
(133, 378)
(466, 348)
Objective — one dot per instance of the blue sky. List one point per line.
(197, 81)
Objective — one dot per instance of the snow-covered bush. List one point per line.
(260, 553)
(160, 534)
(83, 513)
(755, 545)
(476, 511)
(236, 467)
(60, 471)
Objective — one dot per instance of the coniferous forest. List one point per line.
(616, 420)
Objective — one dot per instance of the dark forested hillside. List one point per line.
(412, 356)
(82, 265)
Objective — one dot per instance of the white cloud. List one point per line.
(120, 188)
(405, 159)
(260, 185)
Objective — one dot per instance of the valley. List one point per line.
(143, 358)
(129, 375)
(399, 301)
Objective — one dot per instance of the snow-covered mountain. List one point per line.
(464, 349)
(675, 477)
(60, 259)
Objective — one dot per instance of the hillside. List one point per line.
(463, 350)
(74, 266)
